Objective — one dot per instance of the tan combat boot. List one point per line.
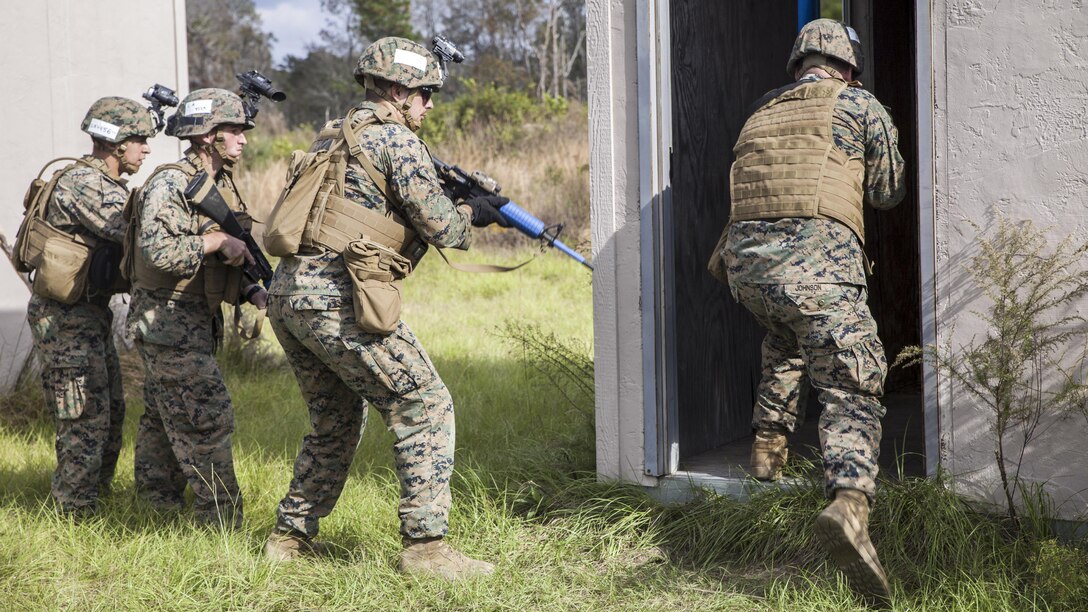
(281, 547)
(843, 527)
(433, 556)
(768, 454)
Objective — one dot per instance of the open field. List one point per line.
(516, 351)
(525, 498)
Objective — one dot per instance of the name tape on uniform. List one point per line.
(410, 58)
(198, 107)
(103, 129)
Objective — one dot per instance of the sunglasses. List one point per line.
(426, 93)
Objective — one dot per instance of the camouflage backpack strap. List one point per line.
(36, 198)
(356, 151)
(26, 250)
(131, 216)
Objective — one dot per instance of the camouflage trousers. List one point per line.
(184, 435)
(339, 369)
(823, 333)
(81, 378)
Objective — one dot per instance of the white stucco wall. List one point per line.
(56, 58)
(1010, 133)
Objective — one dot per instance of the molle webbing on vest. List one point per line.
(336, 221)
(341, 221)
(147, 277)
(788, 165)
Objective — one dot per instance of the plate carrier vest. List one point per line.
(787, 164)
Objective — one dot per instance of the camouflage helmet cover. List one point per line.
(827, 37)
(113, 119)
(204, 109)
(400, 61)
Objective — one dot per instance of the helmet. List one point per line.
(827, 37)
(401, 61)
(114, 119)
(203, 110)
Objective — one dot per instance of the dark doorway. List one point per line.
(725, 55)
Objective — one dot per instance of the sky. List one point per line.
(294, 22)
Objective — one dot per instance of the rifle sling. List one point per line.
(482, 268)
(356, 151)
(254, 331)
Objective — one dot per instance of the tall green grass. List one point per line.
(515, 350)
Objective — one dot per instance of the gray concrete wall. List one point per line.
(1010, 128)
(56, 58)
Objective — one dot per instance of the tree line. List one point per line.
(532, 46)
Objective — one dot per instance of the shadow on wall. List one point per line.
(1042, 448)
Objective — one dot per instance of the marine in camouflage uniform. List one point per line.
(803, 278)
(81, 374)
(184, 435)
(341, 368)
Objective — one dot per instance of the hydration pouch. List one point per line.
(33, 231)
(376, 274)
(311, 177)
(61, 272)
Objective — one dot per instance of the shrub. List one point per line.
(266, 145)
(1060, 575)
(1020, 371)
(489, 111)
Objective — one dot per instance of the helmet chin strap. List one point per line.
(404, 107)
(221, 148)
(410, 120)
(123, 165)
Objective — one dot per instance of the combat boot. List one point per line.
(768, 454)
(281, 547)
(843, 527)
(433, 556)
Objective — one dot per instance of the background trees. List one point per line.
(535, 47)
(225, 38)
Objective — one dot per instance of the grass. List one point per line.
(525, 498)
(516, 351)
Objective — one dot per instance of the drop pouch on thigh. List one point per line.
(62, 273)
(376, 272)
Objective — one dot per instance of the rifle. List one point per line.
(206, 198)
(460, 185)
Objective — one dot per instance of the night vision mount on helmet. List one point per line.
(253, 86)
(160, 96)
(446, 52)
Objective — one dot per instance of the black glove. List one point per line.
(485, 210)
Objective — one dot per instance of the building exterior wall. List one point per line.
(56, 58)
(612, 33)
(1009, 132)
